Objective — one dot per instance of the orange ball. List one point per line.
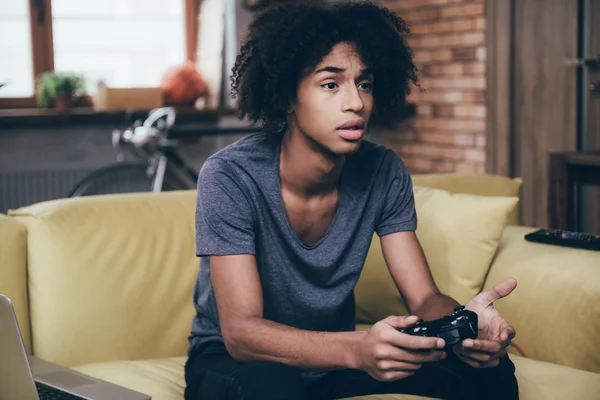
(183, 84)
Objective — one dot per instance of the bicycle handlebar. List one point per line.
(155, 126)
(158, 113)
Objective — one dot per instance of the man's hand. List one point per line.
(387, 354)
(495, 334)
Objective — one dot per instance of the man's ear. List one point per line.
(291, 108)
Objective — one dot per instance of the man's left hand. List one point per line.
(495, 334)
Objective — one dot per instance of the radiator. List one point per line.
(23, 188)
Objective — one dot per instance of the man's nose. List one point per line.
(352, 100)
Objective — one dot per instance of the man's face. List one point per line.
(334, 101)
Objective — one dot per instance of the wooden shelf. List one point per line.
(36, 117)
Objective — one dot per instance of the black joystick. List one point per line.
(454, 328)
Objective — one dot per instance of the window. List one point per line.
(121, 42)
(124, 43)
(16, 69)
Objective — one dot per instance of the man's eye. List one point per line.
(366, 86)
(330, 85)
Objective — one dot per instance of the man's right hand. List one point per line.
(387, 354)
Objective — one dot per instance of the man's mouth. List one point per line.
(352, 130)
(353, 125)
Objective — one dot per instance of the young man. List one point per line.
(285, 219)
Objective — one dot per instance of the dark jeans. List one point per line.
(211, 373)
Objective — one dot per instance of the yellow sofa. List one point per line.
(104, 285)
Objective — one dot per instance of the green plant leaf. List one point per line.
(51, 84)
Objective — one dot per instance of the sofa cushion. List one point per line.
(556, 304)
(459, 234)
(478, 184)
(13, 271)
(163, 379)
(111, 277)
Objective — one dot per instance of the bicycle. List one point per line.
(160, 167)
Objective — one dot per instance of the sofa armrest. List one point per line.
(13, 272)
(555, 308)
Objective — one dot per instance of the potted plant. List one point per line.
(57, 89)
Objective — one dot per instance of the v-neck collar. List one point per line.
(342, 202)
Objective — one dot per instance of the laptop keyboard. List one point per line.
(49, 393)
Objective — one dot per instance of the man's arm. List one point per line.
(408, 266)
(383, 351)
(248, 336)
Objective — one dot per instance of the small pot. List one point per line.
(62, 102)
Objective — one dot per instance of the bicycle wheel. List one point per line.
(127, 177)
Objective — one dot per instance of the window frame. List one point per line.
(42, 46)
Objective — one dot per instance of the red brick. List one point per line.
(448, 96)
(421, 29)
(480, 23)
(425, 110)
(445, 138)
(443, 110)
(464, 139)
(450, 124)
(413, 4)
(475, 96)
(419, 15)
(480, 141)
(400, 134)
(441, 55)
(462, 10)
(470, 111)
(443, 69)
(475, 155)
(454, 83)
(475, 68)
(463, 24)
(453, 69)
(448, 40)
(448, 26)
(427, 56)
(481, 53)
(422, 164)
(463, 53)
(442, 166)
(469, 168)
(435, 151)
(436, 137)
(459, 111)
(416, 164)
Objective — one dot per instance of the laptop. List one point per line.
(30, 378)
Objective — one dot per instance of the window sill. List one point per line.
(38, 117)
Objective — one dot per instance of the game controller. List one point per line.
(454, 328)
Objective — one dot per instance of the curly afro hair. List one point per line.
(286, 40)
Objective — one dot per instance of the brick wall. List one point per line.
(448, 41)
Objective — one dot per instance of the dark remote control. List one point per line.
(454, 328)
(559, 237)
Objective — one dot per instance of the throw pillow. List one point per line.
(459, 234)
(478, 184)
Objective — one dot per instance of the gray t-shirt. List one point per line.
(240, 211)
